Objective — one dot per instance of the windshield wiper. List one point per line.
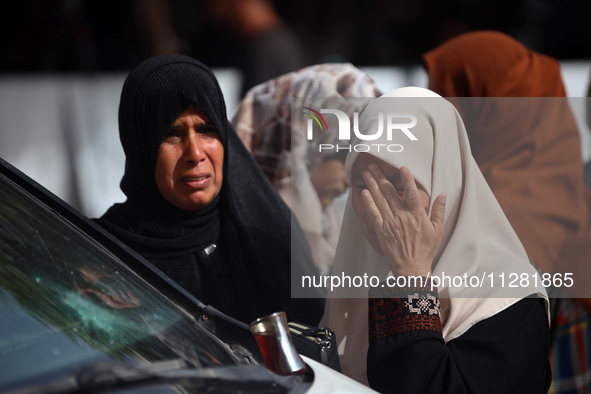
(110, 375)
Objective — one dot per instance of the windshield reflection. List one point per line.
(66, 302)
(103, 286)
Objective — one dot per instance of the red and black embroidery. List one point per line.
(394, 311)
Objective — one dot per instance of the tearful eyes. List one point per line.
(207, 129)
(171, 136)
(175, 134)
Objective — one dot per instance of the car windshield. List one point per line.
(66, 302)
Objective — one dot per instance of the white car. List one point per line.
(80, 312)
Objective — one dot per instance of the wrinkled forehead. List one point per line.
(200, 116)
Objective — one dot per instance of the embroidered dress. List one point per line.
(408, 354)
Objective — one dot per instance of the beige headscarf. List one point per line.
(478, 239)
(277, 140)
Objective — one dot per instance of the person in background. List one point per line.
(268, 46)
(529, 151)
(588, 122)
(423, 212)
(198, 207)
(307, 179)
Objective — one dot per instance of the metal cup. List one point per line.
(272, 335)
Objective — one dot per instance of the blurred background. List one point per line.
(64, 62)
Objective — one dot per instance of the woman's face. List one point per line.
(189, 167)
(358, 185)
(330, 181)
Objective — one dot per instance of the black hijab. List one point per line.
(248, 274)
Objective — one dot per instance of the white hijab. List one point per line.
(478, 239)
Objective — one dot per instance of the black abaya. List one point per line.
(234, 254)
(506, 353)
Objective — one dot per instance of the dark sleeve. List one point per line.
(306, 303)
(506, 353)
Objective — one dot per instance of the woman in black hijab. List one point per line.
(198, 207)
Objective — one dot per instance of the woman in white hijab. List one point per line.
(419, 207)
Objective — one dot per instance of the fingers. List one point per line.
(411, 191)
(372, 209)
(382, 190)
(438, 212)
(385, 198)
(381, 199)
(388, 190)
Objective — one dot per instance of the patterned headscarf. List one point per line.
(276, 137)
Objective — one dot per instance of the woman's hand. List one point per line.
(408, 237)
